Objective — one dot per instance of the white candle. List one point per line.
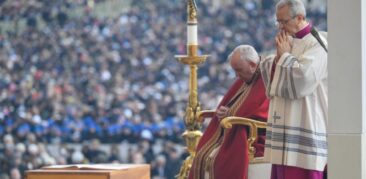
(192, 38)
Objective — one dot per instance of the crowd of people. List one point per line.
(114, 79)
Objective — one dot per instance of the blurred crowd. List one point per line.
(89, 80)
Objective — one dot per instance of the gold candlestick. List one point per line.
(192, 133)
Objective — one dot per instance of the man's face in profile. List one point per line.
(285, 21)
(242, 68)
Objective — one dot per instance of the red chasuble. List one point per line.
(225, 155)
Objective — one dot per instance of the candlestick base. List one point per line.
(191, 60)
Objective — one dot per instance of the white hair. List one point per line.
(246, 52)
(296, 7)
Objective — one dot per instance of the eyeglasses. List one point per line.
(283, 22)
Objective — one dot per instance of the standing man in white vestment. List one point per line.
(296, 83)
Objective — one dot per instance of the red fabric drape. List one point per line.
(232, 158)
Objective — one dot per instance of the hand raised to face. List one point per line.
(283, 43)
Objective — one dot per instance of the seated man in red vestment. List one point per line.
(224, 155)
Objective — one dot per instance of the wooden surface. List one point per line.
(129, 172)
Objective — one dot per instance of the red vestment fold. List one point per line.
(225, 155)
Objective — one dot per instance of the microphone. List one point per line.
(315, 33)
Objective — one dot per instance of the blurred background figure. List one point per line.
(159, 167)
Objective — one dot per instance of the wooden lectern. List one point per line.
(98, 171)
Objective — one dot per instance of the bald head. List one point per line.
(245, 52)
(244, 60)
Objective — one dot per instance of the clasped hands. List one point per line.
(283, 44)
(222, 112)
